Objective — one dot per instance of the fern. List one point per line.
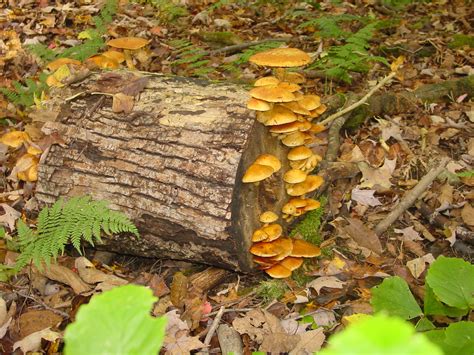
(79, 219)
(23, 95)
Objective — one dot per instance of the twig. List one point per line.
(411, 196)
(239, 47)
(213, 329)
(360, 102)
(41, 303)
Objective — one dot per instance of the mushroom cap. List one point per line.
(267, 80)
(296, 108)
(258, 105)
(281, 57)
(302, 248)
(55, 64)
(317, 128)
(288, 208)
(295, 78)
(286, 127)
(119, 57)
(310, 102)
(278, 271)
(264, 263)
(269, 160)
(298, 164)
(265, 249)
(273, 231)
(103, 62)
(294, 176)
(257, 172)
(286, 245)
(291, 263)
(289, 86)
(298, 202)
(272, 93)
(294, 139)
(321, 109)
(130, 43)
(311, 204)
(311, 183)
(299, 153)
(259, 235)
(305, 126)
(268, 217)
(279, 115)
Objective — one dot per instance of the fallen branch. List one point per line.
(362, 101)
(212, 330)
(411, 196)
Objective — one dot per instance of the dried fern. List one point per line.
(78, 219)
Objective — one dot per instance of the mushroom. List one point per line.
(286, 128)
(256, 173)
(259, 235)
(258, 105)
(311, 183)
(269, 160)
(278, 271)
(268, 217)
(291, 263)
(286, 245)
(302, 248)
(274, 231)
(310, 102)
(278, 115)
(129, 45)
(267, 80)
(299, 153)
(294, 176)
(294, 139)
(272, 93)
(296, 108)
(265, 250)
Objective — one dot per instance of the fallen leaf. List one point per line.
(179, 289)
(9, 218)
(14, 139)
(33, 341)
(122, 103)
(310, 342)
(91, 275)
(362, 235)
(365, 197)
(445, 195)
(279, 343)
(35, 320)
(408, 233)
(378, 178)
(325, 281)
(257, 324)
(417, 266)
(177, 340)
(62, 274)
(467, 214)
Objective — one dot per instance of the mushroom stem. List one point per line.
(129, 59)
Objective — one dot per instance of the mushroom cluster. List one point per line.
(289, 114)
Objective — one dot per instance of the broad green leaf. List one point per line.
(432, 306)
(424, 324)
(394, 297)
(452, 281)
(116, 322)
(457, 339)
(380, 334)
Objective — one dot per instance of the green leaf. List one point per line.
(432, 306)
(424, 324)
(452, 281)
(380, 334)
(394, 297)
(116, 322)
(457, 339)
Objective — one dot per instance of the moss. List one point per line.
(460, 40)
(270, 290)
(220, 38)
(308, 227)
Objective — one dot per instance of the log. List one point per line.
(174, 165)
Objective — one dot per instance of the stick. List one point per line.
(360, 102)
(42, 304)
(411, 196)
(239, 47)
(212, 330)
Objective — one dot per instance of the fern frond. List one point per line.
(73, 221)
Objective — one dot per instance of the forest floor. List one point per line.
(432, 43)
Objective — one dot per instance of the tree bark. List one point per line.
(174, 165)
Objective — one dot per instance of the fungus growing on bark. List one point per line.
(294, 139)
(258, 105)
(256, 173)
(272, 93)
(278, 271)
(294, 176)
(304, 249)
(268, 217)
(269, 160)
(129, 45)
(267, 80)
(281, 57)
(274, 231)
(291, 263)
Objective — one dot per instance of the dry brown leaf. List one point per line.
(122, 103)
(362, 235)
(179, 289)
(257, 324)
(33, 341)
(279, 343)
(35, 320)
(365, 197)
(310, 342)
(408, 233)
(67, 276)
(377, 178)
(91, 275)
(325, 281)
(9, 218)
(445, 195)
(418, 265)
(467, 214)
(177, 340)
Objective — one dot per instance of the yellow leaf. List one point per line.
(84, 35)
(397, 63)
(62, 72)
(14, 139)
(34, 150)
(354, 318)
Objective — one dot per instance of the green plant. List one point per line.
(271, 290)
(168, 11)
(116, 322)
(309, 226)
(72, 221)
(449, 292)
(93, 39)
(24, 95)
(468, 174)
(380, 334)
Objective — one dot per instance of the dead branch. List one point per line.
(411, 196)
